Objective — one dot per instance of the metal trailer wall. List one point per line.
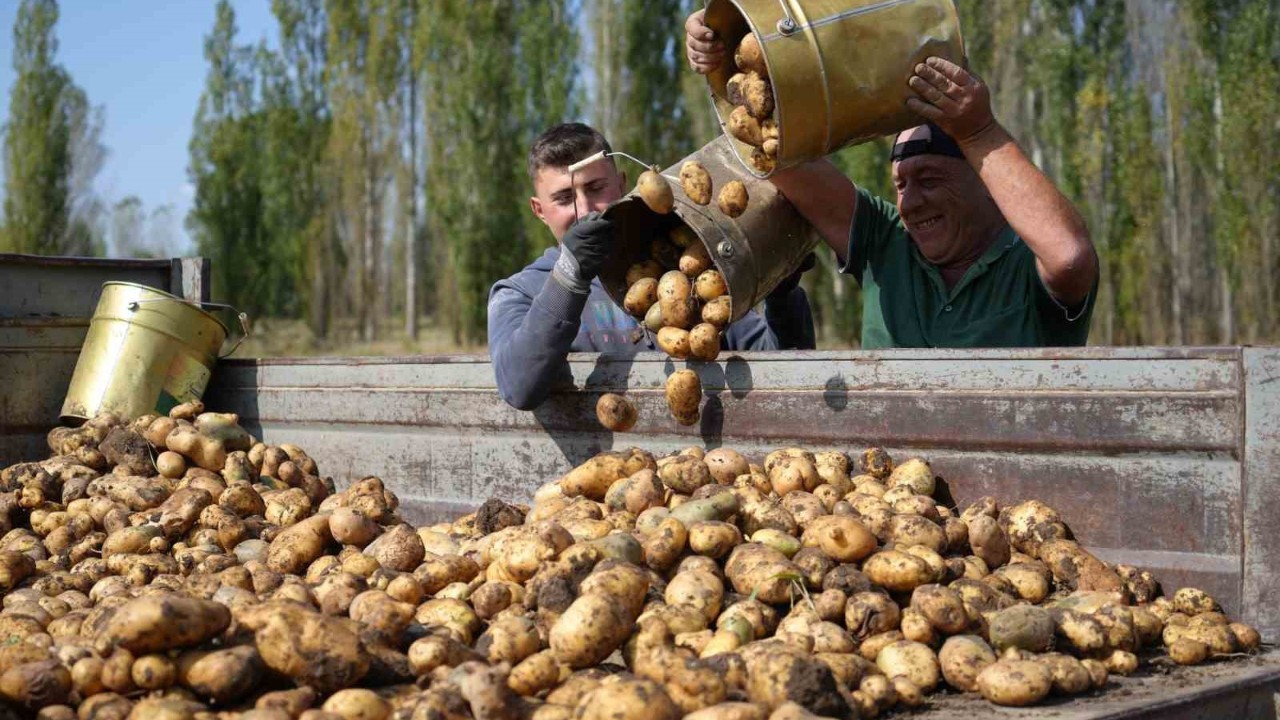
(45, 307)
(1162, 457)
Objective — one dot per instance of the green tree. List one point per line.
(37, 146)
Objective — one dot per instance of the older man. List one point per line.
(981, 249)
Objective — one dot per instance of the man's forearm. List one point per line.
(1041, 215)
(529, 348)
(823, 196)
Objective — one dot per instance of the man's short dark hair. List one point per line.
(564, 145)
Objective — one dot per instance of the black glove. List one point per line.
(583, 251)
(792, 281)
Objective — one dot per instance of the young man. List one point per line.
(557, 305)
(981, 249)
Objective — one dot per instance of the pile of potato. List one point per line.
(752, 120)
(175, 567)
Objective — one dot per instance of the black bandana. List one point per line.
(939, 143)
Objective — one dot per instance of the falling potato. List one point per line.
(684, 394)
(744, 127)
(616, 412)
(655, 191)
(696, 182)
(733, 89)
(749, 57)
(733, 198)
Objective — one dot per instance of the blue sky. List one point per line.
(142, 60)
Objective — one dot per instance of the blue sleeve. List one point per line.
(529, 339)
(791, 321)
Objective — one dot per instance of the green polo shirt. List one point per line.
(1000, 301)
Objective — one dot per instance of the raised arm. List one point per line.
(823, 196)
(960, 103)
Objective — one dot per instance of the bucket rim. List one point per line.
(170, 296)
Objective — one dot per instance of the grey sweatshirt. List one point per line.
(534, 322)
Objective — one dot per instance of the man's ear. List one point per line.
(535, 206)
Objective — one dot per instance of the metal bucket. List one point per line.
(754, 251)
(146, 352)
(839, 68)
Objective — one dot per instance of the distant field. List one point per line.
(292, 338)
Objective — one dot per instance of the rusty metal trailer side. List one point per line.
(1164, 457)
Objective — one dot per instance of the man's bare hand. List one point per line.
(952, 98)
(704, 51)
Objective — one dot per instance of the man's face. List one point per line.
(943, 203)
(558, 201)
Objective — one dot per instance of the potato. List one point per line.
(962, 658)
(695, 261)
(733, 199)
(1022, 626)
(1015, 682)
(684, 395)
(907, 529)
(171, 465)
(755, 568)
(221, 675)
(915, 474)
(1193, 601)
(164, 622)
(641, 296)
(749, 57)
(34, 685)
(615, 412)
(710, 285)
(744, 127)
(988, 541)
(704, 342)
(911, 659)
(357, 704)
(1082, 633)
(653, 318)
(627, 699)
(698, 589)
(1030, 582)
(718, 312)
(942, 607)
(1121, 662)
(1247, 637)
(655, 191)
(714, 539)
(590, 630)
(762, 160)
(663, 546)
(644, 269)
(757, 95)
(1186, 651)
(841, 538)
(897, 570)
(696, 182)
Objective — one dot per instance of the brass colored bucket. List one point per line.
(146, 352)
(754, 252)
(839, 68)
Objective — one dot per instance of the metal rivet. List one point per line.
(725, 248)
(786, 26)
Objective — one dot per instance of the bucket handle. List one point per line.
(242, 317)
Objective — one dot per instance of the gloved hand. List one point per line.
(792, 281)
(583, 251)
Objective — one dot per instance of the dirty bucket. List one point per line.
(146, 352)
(754, 251)
(839, 68)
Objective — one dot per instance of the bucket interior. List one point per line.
(635, 229)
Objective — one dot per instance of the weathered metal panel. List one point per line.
(1262, 489)
(44, 315)
(1140, 448)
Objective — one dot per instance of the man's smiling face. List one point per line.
(943, 203)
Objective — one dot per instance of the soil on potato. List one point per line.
(811, 684)
(495, 515)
